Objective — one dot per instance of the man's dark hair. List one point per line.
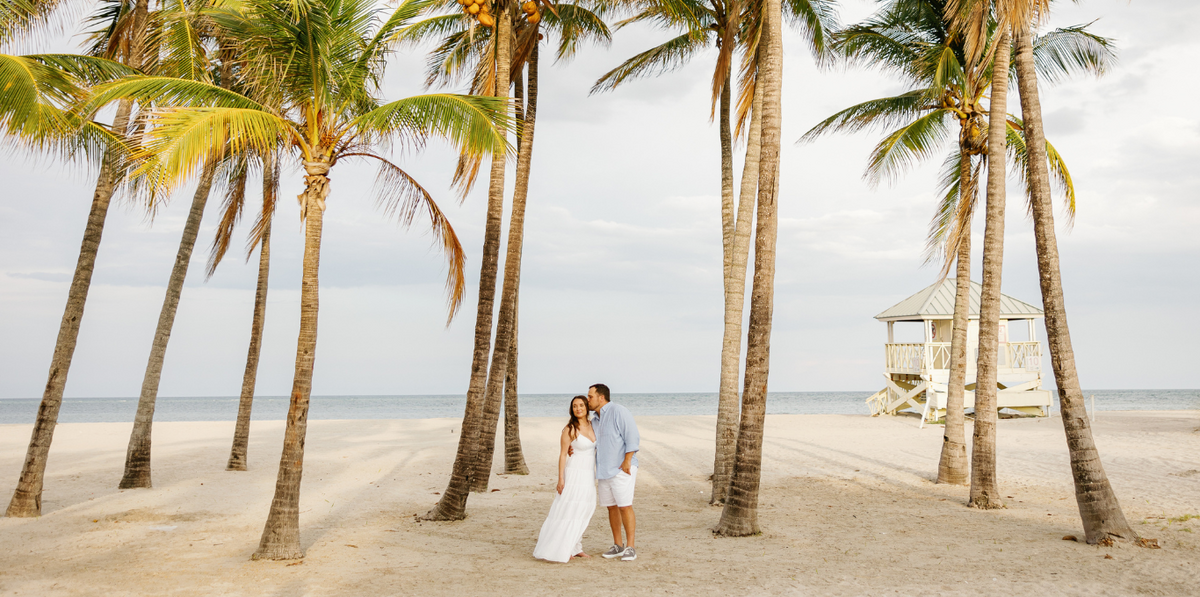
(602, 390)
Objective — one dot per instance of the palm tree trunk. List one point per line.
(506, 327)
(1098, 507)
(281, 535)
(27, 499)
(137, 456)
(984, 492)
(740, 514)
(735, 304)
(952, 467)
(241, 432)
(453, 505)
(514, 458)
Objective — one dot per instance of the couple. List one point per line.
(599, 451)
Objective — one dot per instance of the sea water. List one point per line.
(267, 408)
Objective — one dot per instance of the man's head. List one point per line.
(597, 396)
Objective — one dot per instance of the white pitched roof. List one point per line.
(937, 302)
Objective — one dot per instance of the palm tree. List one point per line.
(27, 499)
(326, 108)
(179, 33)
(727, 25)
(573, 23)
(260, 237)
(739, 517)
(1099, 509)
(914, 39)
(468, 52)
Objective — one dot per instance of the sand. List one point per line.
(848, 507)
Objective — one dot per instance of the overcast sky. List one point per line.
(621, 277)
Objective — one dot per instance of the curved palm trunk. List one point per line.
(952, 466)
(241, 432)
(506, 328)
(740, 514)
(984, 492)
(281, 534)
(453, 505)
(27, 500)
(1098, 507)
(735, 303)
(137, 456)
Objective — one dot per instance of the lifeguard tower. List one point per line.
(917, 374)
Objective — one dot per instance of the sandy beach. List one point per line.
(848, 507)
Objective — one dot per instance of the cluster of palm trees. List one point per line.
(224, 91)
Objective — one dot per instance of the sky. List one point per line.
(621, 274)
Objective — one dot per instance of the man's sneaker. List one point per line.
(629, 555)
(614, 551)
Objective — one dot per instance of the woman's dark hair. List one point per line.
(573, 424)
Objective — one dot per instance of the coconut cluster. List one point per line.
(481, 10)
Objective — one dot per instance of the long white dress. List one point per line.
(562, 533)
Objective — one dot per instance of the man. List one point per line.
(616, 467)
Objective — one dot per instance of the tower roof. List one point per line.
(937, 302)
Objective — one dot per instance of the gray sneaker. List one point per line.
(614, 551)
(629, 555)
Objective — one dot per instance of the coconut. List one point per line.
(484, 9)
(486, 20)
(529, 7)
(534, 18)
(473, 9)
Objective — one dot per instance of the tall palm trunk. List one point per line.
(506, 327)
(241, 432)
(137, 456)
(1098, 507)
(281, 535)
(735, 303)
(27, 499)
(952, 467)
(984, 492)
(514, 459)
(453, 505)
(740, 514)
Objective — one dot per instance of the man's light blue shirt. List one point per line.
(616, 434)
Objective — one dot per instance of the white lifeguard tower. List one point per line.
(917, 373)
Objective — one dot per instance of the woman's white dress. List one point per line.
(562, 533)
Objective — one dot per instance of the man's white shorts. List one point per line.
(618, 491)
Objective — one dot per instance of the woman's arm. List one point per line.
(565, 444)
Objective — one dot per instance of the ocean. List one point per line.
(267, 408)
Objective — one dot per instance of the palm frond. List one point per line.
(1063, 52)
(817, 21)
(906, 146)
(664, 58)
(402, 197)
(576, 24)
(474, 125)
(884, 112)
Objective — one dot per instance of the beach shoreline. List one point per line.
(848, 507)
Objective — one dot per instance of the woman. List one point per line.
(562, 533)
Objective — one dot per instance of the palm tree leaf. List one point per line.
(575, 24)
(167, 91)
(907, 145)
(664, 58)
(1063, 52)
(402, 197)
(818, 21)
(473, 124)
(885, 112)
